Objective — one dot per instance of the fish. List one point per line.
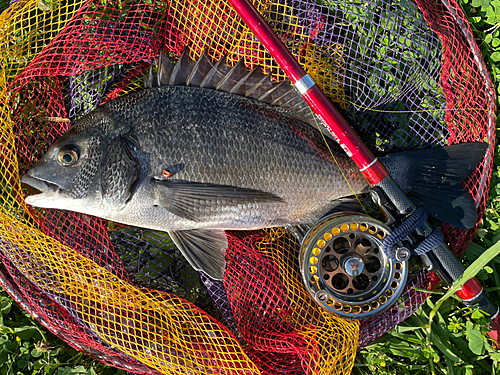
(205, 148)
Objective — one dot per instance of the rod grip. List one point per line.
(447, 266)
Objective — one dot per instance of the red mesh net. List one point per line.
(285, 329)
(463, 71)
(405, 74)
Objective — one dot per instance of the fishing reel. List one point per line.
(345, 269)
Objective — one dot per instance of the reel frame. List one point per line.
(345, 269)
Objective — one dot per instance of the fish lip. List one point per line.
(45, 187)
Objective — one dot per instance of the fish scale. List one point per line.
(234, 145)
(229, 141)
(196, 161)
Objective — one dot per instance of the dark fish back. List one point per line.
(236, 80)
(230, 137)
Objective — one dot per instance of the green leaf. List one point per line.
(461, 344)
(66, 370)
(427, 291)
(402, 329)
(495, 42)
(495, 56)
(26, 333)
(479, 3)
(6, 306)
(442, 347)
(36, 353)
(78, 370)
(495, 357)
(476, 342)
(21, 363)
(4, 357)
(476, 20)
(406, 337)
(477, 315)
(11, 346)
(469, 326)
(6, 329)
(488, 269)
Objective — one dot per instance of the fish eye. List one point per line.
(68, 155)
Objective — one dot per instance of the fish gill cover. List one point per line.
(405, 74)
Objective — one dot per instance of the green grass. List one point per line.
(28, 348)
(456, 341)
(443, 336)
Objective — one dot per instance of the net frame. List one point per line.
(30, 110)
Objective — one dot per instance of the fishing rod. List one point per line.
(439, 258)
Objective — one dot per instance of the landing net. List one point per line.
(406, 75)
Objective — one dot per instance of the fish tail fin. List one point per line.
(432, 178)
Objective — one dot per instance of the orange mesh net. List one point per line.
(124, 295)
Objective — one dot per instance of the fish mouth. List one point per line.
(47, 189)
(44, 186)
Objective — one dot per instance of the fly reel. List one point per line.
(345, 269)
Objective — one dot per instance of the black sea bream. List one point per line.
(212, 148)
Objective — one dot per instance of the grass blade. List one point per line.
(469, 273)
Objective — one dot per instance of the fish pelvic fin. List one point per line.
(237, 79)
(204, 249)
(432, 178)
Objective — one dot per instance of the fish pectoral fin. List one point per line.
(194, 200)
(204, 249)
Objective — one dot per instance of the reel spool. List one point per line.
(345, 269)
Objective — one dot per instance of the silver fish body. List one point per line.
(129, 147)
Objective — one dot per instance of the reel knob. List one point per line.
(345, 270)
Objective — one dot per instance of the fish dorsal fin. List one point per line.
(181, 71)
(216, 74)
(237, 80)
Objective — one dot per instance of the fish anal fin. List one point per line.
(204, 249)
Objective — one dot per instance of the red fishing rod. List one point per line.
(440, 259)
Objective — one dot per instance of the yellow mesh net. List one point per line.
(215, 25)
(28, 27)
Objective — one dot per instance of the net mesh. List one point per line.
(406, 74)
